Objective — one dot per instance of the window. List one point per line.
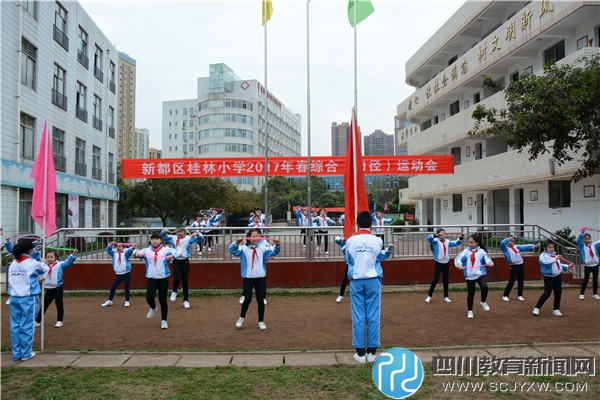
(457, 202)
(111, 168)
(28, 63)
(478, 150)
(58, 149)
(555, 53)
(112, 85)
(98, 64)
(454, 108)
(82, 50)
(528, 70)
(95, 213)
(81, 102)
(582, 43)
(26, 223)
(60, 26)
(30, 7)
(185, 111)
(456, 152)
(27, 136)
(80, 166)
(559, 193)
(111, 122)
(96, 170)
(97, 117)
(58, 87)
(476, 98)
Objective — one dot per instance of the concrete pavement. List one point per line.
(289, 358)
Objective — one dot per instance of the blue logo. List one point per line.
(398, 373)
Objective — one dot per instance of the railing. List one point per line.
(97, 123)
(59, 100)
(408, 241)
(81, 113)
(61, 38)
(83, 59)
(80, 169)
(98, 74)
(60, 163)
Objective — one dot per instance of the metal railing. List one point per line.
(408, 241)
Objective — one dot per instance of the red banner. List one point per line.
(282, 166)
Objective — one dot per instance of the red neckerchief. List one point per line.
(557, 262)
(119, 253)
(591, 251)
(380, 221)
(473, 257)
(254, 254)
(514, 248)
(444, 244)
(156, 250)
(364, 231)
(50, 270)
(177, 241)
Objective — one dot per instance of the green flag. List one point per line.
(364, 8)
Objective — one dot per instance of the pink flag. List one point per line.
(385, 206)
(354, 180)
(43, 207)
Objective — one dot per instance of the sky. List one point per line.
(174, 42)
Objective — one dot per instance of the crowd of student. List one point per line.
(362, 252)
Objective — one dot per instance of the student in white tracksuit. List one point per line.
(363, 254)
(473, 261)
(24, 292)
(590, 256)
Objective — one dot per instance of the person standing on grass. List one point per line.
(253, 260)
(363, 253)
(473, 261)
(157, 258)
(24, 291)
(181, 265)
(589, 256)
(441, 253)
(122, 267)
(512, 253)
(53, 285)
(552, 270)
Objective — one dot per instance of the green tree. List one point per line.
(557, 113)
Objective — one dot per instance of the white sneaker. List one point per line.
(107, 303)
(126, 304)
(371, 357)
(200, 253)
(265, 301)
(447, 300)
(58, 324)
(339, 298)
(360, 359)
(318, 248)
(8, 302)
(505, 298)
(209, 249)
(173, 296)
(536, 311)
(470, 314)
(428, 299)
(581, 297)
(262, 326)
(557, 313)
(164, 324)
(29, 357)
(242, 299)
(186, 304)
(151, 312)
(485, 306)
(520, 298)
(37, 324)
(239, 323)
(596, 297)
(326, 253)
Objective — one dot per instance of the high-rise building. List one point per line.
(492, 182)
(227, 119)
(154, 153)
(379, 143)
(126, 138)
(63, 73)
(340, 133)
(142, 143)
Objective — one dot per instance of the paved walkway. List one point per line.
(291, 358)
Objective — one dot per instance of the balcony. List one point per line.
(111, 132)
(97, 173)
(61, 38)
(60, 163)
(97, 123)
(98, 74)
(83, 59)
(111, 177)
(112, 86)
(80, 169)
(59, 100)
(81, 114)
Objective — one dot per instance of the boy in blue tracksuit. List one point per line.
(363, 253)
(182, 243)
(156, 258)
(36, 254)
(253, 260)
(122, 267)
(24, 290)
(512, 253)
(589, 256)
(440, 246)
(53, 285)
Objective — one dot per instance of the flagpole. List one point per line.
(354, 115)
(309, 199)
(266, 98)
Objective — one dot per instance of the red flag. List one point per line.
(43, 205)
(385, 206)
(354, 180)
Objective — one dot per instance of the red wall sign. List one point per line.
(282, 166)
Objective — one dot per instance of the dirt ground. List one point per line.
(311, 322)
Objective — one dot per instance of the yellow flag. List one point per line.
(266, 14)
